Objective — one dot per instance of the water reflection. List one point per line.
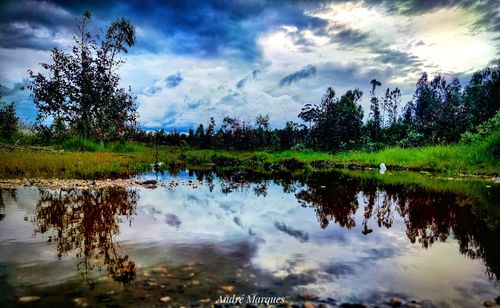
(333, 233)
(429, 215)
(86, 222)
(10, 193)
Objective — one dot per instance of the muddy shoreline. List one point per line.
(96, 184)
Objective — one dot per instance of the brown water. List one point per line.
(328, 238)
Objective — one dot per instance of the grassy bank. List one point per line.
(85, 159)
(480, 157)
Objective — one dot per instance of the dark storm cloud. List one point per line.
(32, 24)
(214, 28)
(301, 236)
(307, 72)
(201, 28)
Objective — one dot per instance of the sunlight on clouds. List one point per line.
(450, 44)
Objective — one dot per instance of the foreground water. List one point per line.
(327, 238)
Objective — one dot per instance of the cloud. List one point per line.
(197, 59)
(307, 72)
(339, 269)
(173, 81)
(25, 108)
(173, 220)
(487, 15)
(241, 83)
(301, 236)
(350, 37)
(36, 25)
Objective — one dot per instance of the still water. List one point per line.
(328, 238)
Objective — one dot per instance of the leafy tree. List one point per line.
(374, 122)
(262, 131)
(199, 136)
(337, 122)
(81, 87)
(394, 100)
(9, 121)
(288, 135)
(309, 114)
(482, 96)
(210, 133)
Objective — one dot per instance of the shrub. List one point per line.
(8, 120)
(486, 128)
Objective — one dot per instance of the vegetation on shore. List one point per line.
(79, 158)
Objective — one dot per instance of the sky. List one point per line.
(197, 59)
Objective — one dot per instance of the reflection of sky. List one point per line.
(337, 262)
(341, 263)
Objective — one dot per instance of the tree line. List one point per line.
(440, 112)
(78, 93)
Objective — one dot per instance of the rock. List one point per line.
(490, 303)
(165, 299)
(308, 305)
(28, 299)
(227, 289)
(160, 270)
(205, 301)
(395, 302)
(195, 282)
(80, 302)
(383, 168)
(352, 167)
(309, 296)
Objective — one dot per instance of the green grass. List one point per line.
(65, 165)
(81, 158)
(480, 157)
(86, 145)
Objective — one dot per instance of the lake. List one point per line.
(326, 238)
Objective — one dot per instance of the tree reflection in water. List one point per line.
(429, 215)
(86, 221)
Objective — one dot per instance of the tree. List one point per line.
(439, 111)
(482, 96)
(309, 113)
(210, 133)
(288, 135)
(394, 100)
(337, 122)
(81, 87)
(8, 119)
(374, 123)
(262, 131)
(199, 136)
